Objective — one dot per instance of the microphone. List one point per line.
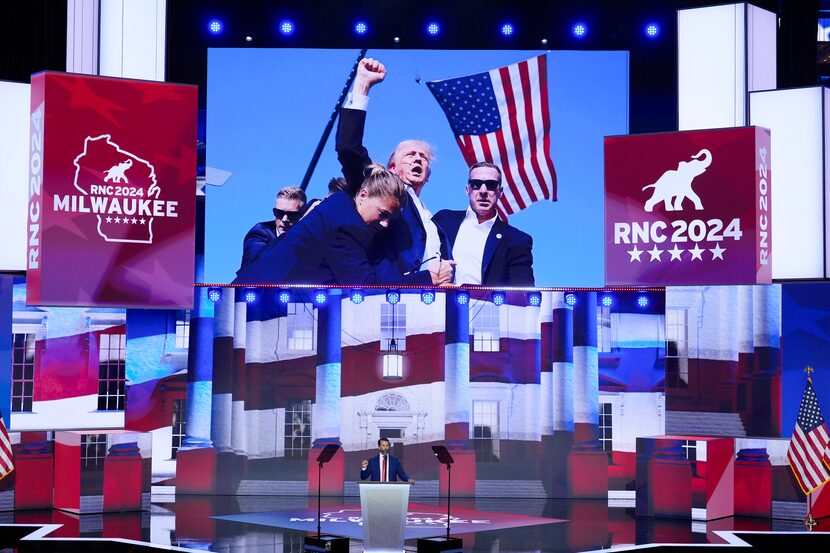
(419, 263)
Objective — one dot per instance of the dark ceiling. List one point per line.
(33, 36)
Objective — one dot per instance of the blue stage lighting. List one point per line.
(433, 29)
(579, 29)
(215, 26)
(570, 299)
(214, 294)
(428, 297)
(250, 296)
(642, 301)
(361, 27)
(284, 296)
(498, 298)
(607, 300)
(393, 296)
(462, 297)
(652, 30)
(357, 296)
(286, 27)
(507, 29)
(320, 297)
(534, 299)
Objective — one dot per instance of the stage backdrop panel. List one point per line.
(689, 208)
(267, 111)
(112, 196)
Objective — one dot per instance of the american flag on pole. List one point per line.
(6, 457)
(808, 454)
(502, 116)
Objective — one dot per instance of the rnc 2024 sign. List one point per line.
(112, 194)
(688, 208)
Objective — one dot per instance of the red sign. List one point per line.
(112, 194)
(688, 208)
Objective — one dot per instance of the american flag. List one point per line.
(6, 457)
(808, 453)
(502, 116)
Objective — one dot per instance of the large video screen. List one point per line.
(267, 109)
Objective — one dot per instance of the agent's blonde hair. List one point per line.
(382, 182)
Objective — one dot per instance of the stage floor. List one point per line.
(259, 524)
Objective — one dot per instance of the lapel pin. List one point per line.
(498, 236)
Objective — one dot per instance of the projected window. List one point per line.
(182, 329)
(23, 372)
(297, 428)
(677, 348)
(93, 450)
(486, 430)
(486, 327)
(393, 326)
(690, 451)
(179, 410)
(111, 371)
(605, 429)
(300, 326)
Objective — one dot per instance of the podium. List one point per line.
(384, 507)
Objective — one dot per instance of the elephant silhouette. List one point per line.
(116, 172)
(675, 185)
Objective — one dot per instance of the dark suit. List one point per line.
(331, 245)
(394, 467)
(404, 242)
(508, 256)
(257, 238)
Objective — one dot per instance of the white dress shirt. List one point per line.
(468, 249)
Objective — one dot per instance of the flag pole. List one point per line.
(330, 125)
(810, 522)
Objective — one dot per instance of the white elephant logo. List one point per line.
(675, 185)
(116, 173)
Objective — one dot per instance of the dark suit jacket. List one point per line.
(404, 242)
(395, 470)
(330, 245)
(257, 238)
(508, 256)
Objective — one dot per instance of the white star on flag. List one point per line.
(717, 252)
(675, 253)
(697, 252)
(655, 253)
(635, 254)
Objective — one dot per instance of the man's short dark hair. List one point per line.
(384, 440)
(338, 184)
(485, 164)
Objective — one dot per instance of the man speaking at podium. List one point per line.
(383, 467)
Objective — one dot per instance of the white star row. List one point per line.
(675, 253)
(126, 220)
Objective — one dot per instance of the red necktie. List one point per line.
(383, 468)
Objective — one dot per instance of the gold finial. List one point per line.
(809, 370)
(810, 522)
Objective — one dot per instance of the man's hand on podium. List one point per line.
(364, 464)
(410, 482)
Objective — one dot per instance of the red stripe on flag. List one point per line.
(467, 151)
(515, 133)
(543, 100)
(508, 174)
(524, 74)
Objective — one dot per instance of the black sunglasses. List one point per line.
(492, 185)
(293, 216)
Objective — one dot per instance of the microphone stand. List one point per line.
(442, 543)
(323, 543)
(449, 496)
